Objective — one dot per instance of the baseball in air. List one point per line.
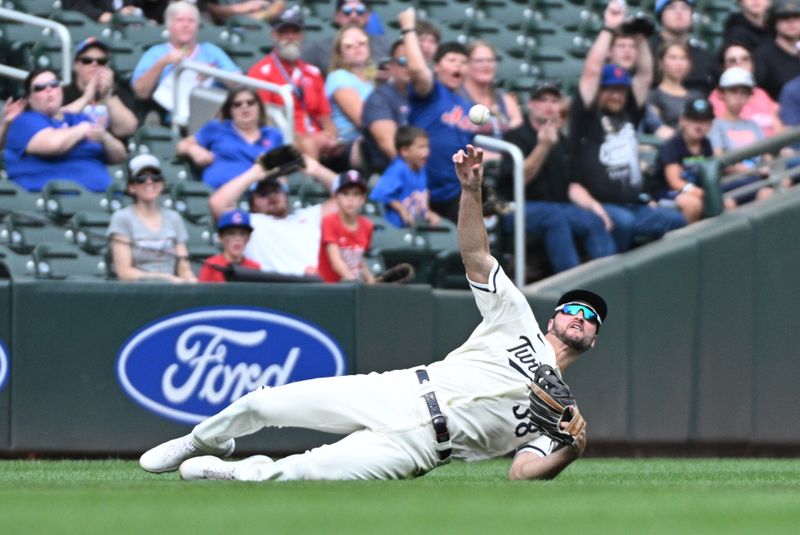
(479, 114)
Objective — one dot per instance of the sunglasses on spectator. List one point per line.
(239, 103)
(358, 10)
(572, 309)
(401, 60)
(41, 86)
(144, 177)
(88, 60)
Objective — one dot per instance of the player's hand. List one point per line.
(469, 168)
(407, 18)
(615, 14)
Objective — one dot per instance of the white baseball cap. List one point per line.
(736, 77)
(143, 161)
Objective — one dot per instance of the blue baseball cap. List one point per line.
(615, 76)
(661, 4)
(89, 42)
(234, 219)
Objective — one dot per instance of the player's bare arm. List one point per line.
(530, 466)
(472, 238)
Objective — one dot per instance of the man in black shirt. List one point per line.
(549, 192)
(778, 60)
(750, 26)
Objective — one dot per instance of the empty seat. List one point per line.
(67, 260)
(14, 265)
(22, 231)
(61, 199)
(190, 199)
(87, 230)
(13, 198)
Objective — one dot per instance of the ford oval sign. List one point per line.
(3, 365)
(189, 366)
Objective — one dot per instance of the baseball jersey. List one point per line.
(288, 245)
(352, 245)
(483, 383)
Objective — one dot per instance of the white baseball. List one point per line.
(479, 114)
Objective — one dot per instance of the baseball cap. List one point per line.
(270, 185)
(141, 162)
(292, 16)
(347, 179)
(89, 42)
(545, 86)
(587, 297)
(785, 8)
(661, 4)
(614, 75)
(698, 109)
(234, 219)
(736, 77)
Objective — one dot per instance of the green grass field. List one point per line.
(623, 496)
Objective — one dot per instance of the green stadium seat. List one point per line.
(116, 196)
(61, 199)
(190, 199)
(14, 265)
(22, 231)
(13, 198)
(87, 230)
(41, 8)
(67, 261)
(201, 232)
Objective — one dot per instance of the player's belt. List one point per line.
(443, 445)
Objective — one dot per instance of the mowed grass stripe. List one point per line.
(593, 496)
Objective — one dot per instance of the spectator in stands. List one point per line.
(94, 92)
(222, 10)
(44, 143)
(348, 85)
(346, 235)
(677, 176)
(669, 96)
(153, 77)
(103, 10)
(403, 187)
(148, 242)
(557, 209)
(778, 61)
(731, 131)
(283, 241)
(226, 148)
(675, 17)
(314, 130)
(437, 107)
(429, 39)
(479, 88)
(759, 107)
(789, 103)
(750, 25)
(233, 231)
(347, 12)
(604, 151)
(11, 110)
(385, 110)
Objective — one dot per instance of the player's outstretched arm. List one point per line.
(528, 466)
(472, 238)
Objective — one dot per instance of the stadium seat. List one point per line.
(395, 245)
(116, 196)
(22, 231)
(156, 140)
(40, 8)
(201, 232)
(61, 199)
(312, 192)
(67, 260)
(87, 230)
(190, 199)
(13, 198)
(14, 265)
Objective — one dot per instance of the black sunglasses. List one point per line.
(358, 10)
(36, 88)
(144, 177)
(240, 103)
(87, 60)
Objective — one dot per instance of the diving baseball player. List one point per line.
(472, 405)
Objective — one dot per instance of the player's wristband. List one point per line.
(407, 30)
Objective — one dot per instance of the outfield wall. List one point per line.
(697, 347)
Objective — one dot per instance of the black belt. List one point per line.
(443, 445)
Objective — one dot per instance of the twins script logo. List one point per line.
(3, 365)
(190, 366)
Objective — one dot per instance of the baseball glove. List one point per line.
(550, 399)
(281, 160)
(402, 273)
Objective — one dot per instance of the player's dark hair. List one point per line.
(450, 47)
(406, 135)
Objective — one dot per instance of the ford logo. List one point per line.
(3, 365)
(191, 365)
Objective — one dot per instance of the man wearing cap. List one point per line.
(314, 129)
(675, 18)
(94, 92)
(778, 61)
(549, 192)
(222, 10)
(233, 231)
(604, 149)
(471, 405)
(677, 173)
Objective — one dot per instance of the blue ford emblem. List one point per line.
(3, 365)
(191, 365)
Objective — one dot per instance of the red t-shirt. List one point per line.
(352, 243)
(302, 75)
(209, 274)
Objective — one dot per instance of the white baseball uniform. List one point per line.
(481, 388)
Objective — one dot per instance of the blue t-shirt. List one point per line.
(233, 155)
(443, 114)
(207, 53)
(386, 102)
(84, 163)
(401, 183)
(342, 79)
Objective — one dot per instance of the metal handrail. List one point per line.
(285, 91)
(519, 200)
(61, 32)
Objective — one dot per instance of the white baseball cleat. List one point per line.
(210, 467)
(167, 457)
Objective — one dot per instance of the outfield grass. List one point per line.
(619, 496)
